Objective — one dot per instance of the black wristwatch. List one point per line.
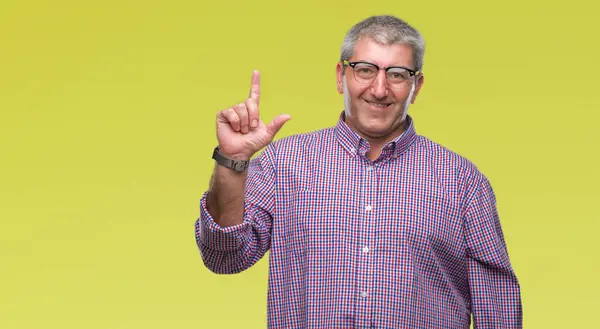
(237, 165)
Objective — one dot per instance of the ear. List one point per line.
(418, 88)
(339, 69)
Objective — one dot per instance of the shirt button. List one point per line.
(365, 249)
(369, 168)
(368, 208)
(363, 294)
(353, 150)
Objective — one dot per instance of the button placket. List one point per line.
(367, 210)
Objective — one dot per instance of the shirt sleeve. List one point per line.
(236, 248)
(495, 291)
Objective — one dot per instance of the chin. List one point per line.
(380, 126)
(375, 129)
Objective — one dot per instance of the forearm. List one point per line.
(225, 199)
(233, 231)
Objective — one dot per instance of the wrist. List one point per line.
(236, 162)
(238, 156)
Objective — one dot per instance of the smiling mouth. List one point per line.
(378, 104)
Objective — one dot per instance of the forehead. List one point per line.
(369, 50)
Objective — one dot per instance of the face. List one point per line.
(376, 111)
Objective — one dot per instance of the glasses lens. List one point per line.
(397, 76)
(365, 72)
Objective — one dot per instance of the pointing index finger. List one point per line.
(255, 87)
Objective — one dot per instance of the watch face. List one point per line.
(240, 165)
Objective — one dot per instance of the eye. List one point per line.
(398, 74)
(365, 70)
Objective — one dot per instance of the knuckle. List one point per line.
(233, 118)
(224, 113)
(243, 113)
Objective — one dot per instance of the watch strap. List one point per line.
(236, 165)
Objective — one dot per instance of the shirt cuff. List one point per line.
(210, 235)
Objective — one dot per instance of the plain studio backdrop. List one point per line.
(107, 127)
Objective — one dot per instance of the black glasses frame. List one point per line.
(353, 64)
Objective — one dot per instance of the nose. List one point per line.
(379, 87)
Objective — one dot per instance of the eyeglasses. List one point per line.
(396, 76)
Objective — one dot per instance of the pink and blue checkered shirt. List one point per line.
(410, 240)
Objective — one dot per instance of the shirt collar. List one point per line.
(354, 144)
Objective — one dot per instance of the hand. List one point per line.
(240, 130)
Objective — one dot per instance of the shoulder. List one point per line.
(444, 160)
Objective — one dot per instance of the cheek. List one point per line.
(357, 92)
(403, 94)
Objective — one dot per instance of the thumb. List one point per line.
(277, 123)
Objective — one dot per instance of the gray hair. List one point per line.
(386, 30)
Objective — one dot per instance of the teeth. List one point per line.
(378, 104)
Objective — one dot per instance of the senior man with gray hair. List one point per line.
(369, 225)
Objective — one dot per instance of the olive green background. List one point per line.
(107, 128)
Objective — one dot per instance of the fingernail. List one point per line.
(254, 123)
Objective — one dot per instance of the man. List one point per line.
(369, 225)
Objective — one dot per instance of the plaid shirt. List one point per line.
(410, 240)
